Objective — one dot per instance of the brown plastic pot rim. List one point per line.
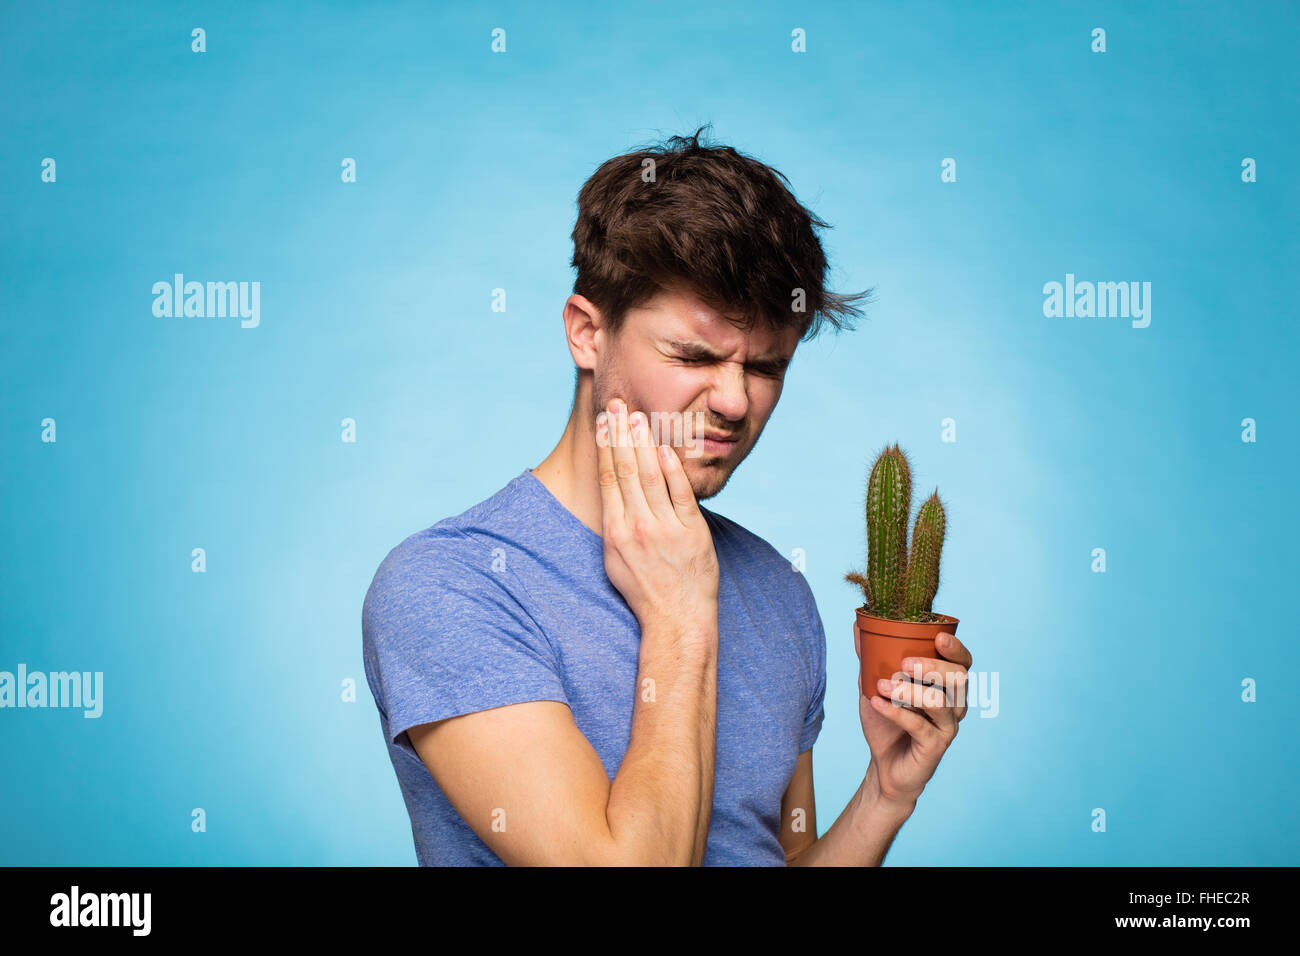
(944, 619)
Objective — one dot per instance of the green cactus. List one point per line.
(900, 583)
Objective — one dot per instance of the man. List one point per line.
(590, 668)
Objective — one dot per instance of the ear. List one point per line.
(584, 330)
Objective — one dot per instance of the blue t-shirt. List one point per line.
(510, 602)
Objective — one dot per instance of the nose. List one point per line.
(728, 397)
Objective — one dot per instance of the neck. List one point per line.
(569, 472)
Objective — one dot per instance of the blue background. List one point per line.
(222, 690)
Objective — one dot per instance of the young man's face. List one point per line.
(677, 354)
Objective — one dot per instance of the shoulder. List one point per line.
(452, 558)
(431, 556)
(416, 584)
(441, 604)
(447, 550)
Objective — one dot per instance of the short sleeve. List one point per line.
(817, 665)
(444, 635)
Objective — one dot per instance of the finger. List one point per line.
(921, 694)
(857, 638)
(909, 720)
(931, 700)
(954, 678)
(629, 483)
(611, 498)
(927, 670)
(647, 463)
(954, 651)
(680, 491)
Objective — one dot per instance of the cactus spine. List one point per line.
(900, 583)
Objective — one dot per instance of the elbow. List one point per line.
(646, 849)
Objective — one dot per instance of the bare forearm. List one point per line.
(662, 796)
(862, 834)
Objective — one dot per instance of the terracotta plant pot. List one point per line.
(884, 644)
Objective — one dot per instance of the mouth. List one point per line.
(718, 444)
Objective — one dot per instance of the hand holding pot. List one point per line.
(909, 728)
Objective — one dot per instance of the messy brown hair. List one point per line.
(709, 218)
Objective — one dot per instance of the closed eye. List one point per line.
(770, 369)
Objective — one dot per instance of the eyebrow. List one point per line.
(698, 350)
